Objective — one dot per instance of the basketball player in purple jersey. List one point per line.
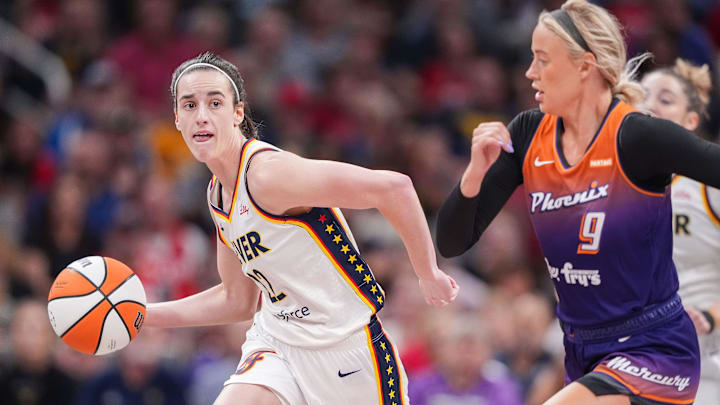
(596, 174)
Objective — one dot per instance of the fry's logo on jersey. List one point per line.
(248, 247)
(574, 276)
(624, 365)
(546, 202)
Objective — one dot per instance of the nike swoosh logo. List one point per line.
(341, 374)
(539, 162)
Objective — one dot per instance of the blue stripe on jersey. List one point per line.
(387, 366)
(328, 231)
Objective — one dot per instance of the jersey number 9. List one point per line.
(590, 230)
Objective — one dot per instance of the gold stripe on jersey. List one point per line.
(708, 208)
(376, 367)
(227, 216)
(345, 227)
(222, 238)
(388, 372)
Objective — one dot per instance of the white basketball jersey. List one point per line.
(317, 290)
(696, 241)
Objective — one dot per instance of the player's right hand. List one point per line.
(702, 326)
(487, 140)
(439, 289)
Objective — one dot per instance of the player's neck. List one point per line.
(226, 167)
(584, 118)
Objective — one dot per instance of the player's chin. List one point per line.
(202, 154)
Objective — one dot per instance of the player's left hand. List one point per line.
(439, 289)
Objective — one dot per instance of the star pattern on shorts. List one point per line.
(322, 218)
(329, 228)
(345, 249)
(337, 239)
(352, 259)
(392, 378)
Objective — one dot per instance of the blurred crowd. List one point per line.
(91, 163)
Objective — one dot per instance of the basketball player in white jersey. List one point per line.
(681, 94)
(316, 338)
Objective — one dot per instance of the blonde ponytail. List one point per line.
(628, 89)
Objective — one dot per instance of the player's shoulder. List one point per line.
(638, 122)
(528, 120)
(253, 152)
(525, 124)
(522, 130)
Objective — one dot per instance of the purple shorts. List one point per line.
(657, 365)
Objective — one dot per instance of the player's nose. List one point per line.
(202, 115)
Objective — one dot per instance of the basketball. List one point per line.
(96, 305)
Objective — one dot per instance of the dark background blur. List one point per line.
(91, 163)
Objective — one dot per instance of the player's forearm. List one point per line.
(210, 307)
(401, 207)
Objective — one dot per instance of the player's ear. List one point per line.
(587, 64)
(177, 122)
(239, 114)
(691, 121)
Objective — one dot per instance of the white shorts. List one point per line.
(709, 389)
(363, 369)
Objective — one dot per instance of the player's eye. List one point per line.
(215, 103)
(189, 105)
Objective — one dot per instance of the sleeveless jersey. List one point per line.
(696, 249)
(316, 288)
(606, 242)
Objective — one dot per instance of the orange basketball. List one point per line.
(97, 305)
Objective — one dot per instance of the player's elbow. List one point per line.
(390, 189)
(400, 184)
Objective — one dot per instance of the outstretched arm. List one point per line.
(281, 182)
(492, 175)
(234, 299)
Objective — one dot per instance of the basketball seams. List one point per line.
(124, 297)
(102, 325)
(122, 321)
(73, 296)
(113, 307)
(85, 277)
(105, 275)
(107, 296)
(130, 301)
(89, 311)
